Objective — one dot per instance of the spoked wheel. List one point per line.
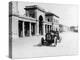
(44, 42)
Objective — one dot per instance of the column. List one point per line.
(37, 28)
(30, 28)
(27, 12)
(23, 30)
(43, 28)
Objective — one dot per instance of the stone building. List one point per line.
(35, 21)
(56, 23)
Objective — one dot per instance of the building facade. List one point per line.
(35, 22)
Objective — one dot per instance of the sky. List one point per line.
(68, 13)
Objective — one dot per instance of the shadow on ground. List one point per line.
(40, 45)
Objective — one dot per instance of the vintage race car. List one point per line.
(51, 38)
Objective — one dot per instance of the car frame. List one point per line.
(51, 37)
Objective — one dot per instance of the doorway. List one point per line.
(20, 28)
(40, 25)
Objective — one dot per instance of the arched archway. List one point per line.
(40, 25)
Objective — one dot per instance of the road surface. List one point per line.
(28, 47)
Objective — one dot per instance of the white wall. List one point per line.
(15, 27)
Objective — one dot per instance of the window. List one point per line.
(20, 28)
(48, 28)
(48, 19)
(32, 13)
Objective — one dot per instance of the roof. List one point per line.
(34, 7)
(51, 14)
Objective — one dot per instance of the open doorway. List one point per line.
(20, 28)
(32, 29)
(26, 28)
(40, 25)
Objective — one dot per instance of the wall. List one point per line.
(14, 27)
(55, 23)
